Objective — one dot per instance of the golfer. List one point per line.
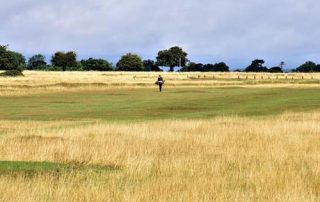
(160, 82)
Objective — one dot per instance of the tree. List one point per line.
(77, 67)
(173, 57)
(317, 68)
(282, 64)
(96, 65)
(10, 60)
(37, 62)
(275, 70)
(256, 66)
(130, 62)
(64, 60)
(192, 67)
(308, 66)
(150, 65)
(220, 67)
(208, 68)
(21, 60)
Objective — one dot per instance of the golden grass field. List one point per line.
(223, 159)
(227, 158)
(41, 82)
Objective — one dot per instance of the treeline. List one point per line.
(173, 57)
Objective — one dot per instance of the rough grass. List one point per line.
(35, 82)
(222, 159)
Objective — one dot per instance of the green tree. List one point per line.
(275, 70)
(220, 67)
(173, 57)
(37, 62)
(96, 65)
(308, 66)
(208, 68)
(21, 60)
(317, 68)
(10, 60)
(256, 66)
(150, 65)
(130, 62)
(77, 67)
(192, 67)
(66, 60)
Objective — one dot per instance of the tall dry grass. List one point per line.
(44, 82)
(222, 159)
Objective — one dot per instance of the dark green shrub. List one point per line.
(53, 68)
(96, 65)
(11, 73)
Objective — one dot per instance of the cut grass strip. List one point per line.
(146, 104)
(31, 168)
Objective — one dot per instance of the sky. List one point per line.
(210, 31)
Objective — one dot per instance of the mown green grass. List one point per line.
(30, 168)
(148, 104)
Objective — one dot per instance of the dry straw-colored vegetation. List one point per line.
(272, 158)
(41, 82)
(222, 159)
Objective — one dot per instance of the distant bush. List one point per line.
(199, 67)
(11, 73)
(150, 65)
(275, 70)
(218, 67)
(52, 68)
(41, 67)
(77, 67)
(96, 65)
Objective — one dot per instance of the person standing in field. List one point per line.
(160, 82)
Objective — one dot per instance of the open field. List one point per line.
(42, 82)
(112, 137)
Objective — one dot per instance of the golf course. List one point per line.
(97, 136)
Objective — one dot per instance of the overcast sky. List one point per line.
(234, 31)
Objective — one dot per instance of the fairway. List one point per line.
(148, 104)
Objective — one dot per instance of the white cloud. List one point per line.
(210, 30)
